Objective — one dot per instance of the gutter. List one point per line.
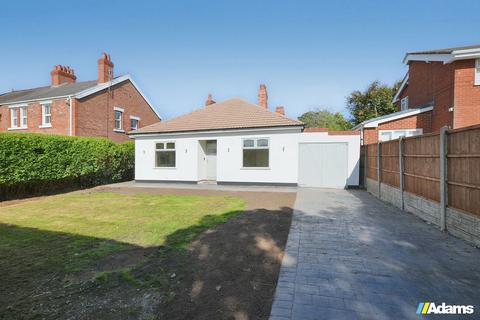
(132, 134)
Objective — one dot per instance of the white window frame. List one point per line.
(17, 114)
(23, 117)
(138, 122)
(256, 147)
(46, 124)
(165, 143)
(121, 111)
(394, 133)
(404, 103)
(14, 124)
(477, 72)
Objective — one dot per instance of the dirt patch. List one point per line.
(229, 272)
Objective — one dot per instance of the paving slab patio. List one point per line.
(352, 256)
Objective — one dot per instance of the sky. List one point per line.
(310, 54)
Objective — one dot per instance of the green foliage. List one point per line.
(37, 163)
(325, 119)
(375, 101)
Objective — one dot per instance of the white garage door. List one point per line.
(323, 165)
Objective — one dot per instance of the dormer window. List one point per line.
(404, 103)
(477, 72)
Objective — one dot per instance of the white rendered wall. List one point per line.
(283, 158)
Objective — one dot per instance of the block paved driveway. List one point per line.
(351, 256)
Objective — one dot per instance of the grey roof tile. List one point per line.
(45, 92)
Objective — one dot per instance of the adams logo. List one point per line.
(432, 308)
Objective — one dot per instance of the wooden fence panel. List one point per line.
(463, 170)
(371, 150)
(422, 166)
(390, 163)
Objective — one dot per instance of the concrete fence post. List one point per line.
(401, 169)
(443, 178)
(379, 169)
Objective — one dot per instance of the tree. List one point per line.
(375, 101)
(325, 119)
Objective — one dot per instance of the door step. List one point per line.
(212, 182)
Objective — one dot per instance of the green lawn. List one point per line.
(64, 233)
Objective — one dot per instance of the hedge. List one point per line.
(37, 163)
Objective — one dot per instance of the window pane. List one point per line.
(255, 158)
(48, 119)
(159, 146)
(171, 145)
(46, 108)
(165, 159)
(248, 143)
(134, 124)
(262, 143)
(385, 136)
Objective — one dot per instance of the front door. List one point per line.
(211, 157)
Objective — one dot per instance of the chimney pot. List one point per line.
(209, 100)
(263, 96)
(62, 74)
(280, 110)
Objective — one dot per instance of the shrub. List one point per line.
(38, 163)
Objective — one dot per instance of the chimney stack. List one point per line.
(262, 96)
(105, 68)
(280, 110)
(209, 100)
(62, 74)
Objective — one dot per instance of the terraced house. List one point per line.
(106, 107)
(441, 88)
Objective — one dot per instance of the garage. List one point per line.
(323, 165)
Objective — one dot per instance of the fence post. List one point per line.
(379, 168)
(401, 169)
(443, 177)
(365, 165)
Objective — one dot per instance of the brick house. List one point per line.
(441, 88)
(107, 107)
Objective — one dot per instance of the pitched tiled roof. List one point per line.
(46, 92)
(230, 114)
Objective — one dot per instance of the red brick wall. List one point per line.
(432, 82)
(467, 95)
(95, 114)
(422, 120)
(60, 118)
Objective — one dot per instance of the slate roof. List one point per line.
(234, 113)
(46, 92)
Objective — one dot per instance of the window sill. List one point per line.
(255, 168)
(168, 168)
(18, 128)
(119, 130)
(43, 126)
